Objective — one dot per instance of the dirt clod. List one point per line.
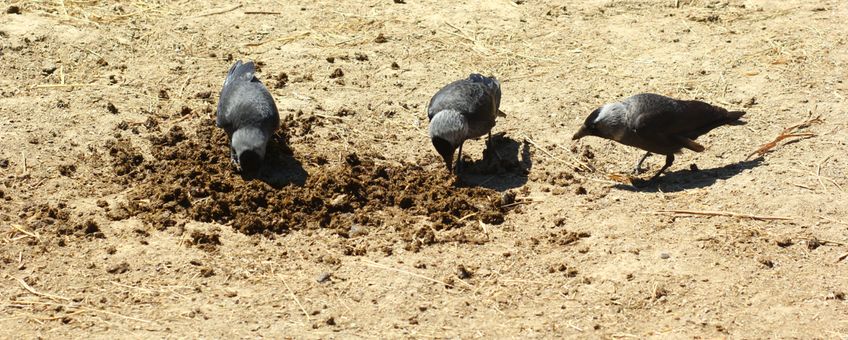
(813, 243)
(281, 80)
(207, 241)
(67, 169)
(194, 180)
(323, 277)
(840, 296)
(564, 237)
(119, 268)
(463, 273)
(783, 243)
(207, 272)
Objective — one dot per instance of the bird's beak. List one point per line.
(446, 150)
(583, 132)
(448, 161)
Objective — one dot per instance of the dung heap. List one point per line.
(191, 178)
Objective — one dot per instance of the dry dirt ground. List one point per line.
(121, 216)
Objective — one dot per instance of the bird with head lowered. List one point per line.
(656, 124)
(247, 112)
(464, 109)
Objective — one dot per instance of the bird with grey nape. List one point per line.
(464, 109)
(247, 112)
(656, 124)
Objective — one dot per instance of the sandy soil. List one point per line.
(121, 216)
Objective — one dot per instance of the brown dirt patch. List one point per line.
(192, 178)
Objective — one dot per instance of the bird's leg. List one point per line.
(459, 159)
(638, 169)
(490, 145)
(489, 139)
(668, 160)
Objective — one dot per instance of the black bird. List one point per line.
(656, 124)
(464, 109)
(247, 112)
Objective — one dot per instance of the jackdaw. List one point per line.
(656, 124)
(464, 109)
(246, 111)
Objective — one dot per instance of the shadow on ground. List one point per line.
(505, 165)
(691, 179)
(280, 167)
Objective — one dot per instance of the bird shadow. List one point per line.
(280, 167)
(690, 179)
(505, 165)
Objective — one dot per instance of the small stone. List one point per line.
(813, 243)
(785, 243)
(323, 277)
(381, 39)
(112, 108)
(13, 10)
(119, 268)
(338, 73)
(508, 198)
(48, 69)
(357, 230)
(836, 296)
(206, 272)
(664, 256)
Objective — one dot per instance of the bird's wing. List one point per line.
(492, 86)
(239, 72)
(476, 97)
(221, 119)
(655, 115)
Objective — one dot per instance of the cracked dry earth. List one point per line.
(121, 215)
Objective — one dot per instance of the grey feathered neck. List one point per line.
(449, 125)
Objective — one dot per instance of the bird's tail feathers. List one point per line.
(490, 82)
(493, 86)
(241, 71)
(690, 144)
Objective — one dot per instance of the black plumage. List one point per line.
(656, 124)
(464, 109)
(247, 112)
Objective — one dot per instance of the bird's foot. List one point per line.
(457, 170)
(235, 163)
